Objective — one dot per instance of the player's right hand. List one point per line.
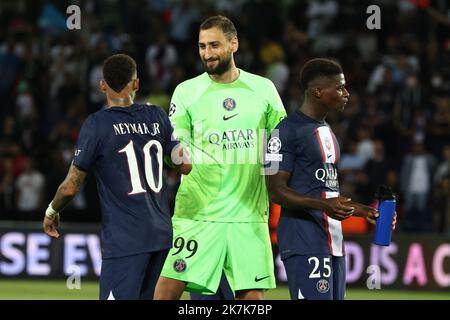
(339, 208)
(50, 225)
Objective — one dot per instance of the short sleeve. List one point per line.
(275, 109)
(170, 141)
(280, 148)
(179, 117)
(86, 148)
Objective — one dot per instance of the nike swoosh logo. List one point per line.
(228, 118)
(329, 156)
(259, 279)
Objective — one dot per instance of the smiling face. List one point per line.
(332, 93)
(216, 50)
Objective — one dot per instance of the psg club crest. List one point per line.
(179, 265)
(172, 109)
(229, 104)
(323, 286)
(328, 143)
(274, 145)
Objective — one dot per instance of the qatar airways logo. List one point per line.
(328, 175)
(233, 139)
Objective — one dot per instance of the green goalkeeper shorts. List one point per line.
(202, 249)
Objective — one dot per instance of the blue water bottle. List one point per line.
(386, 209)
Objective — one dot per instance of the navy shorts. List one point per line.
(131, 277)
(316, 277)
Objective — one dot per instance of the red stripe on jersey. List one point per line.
(325, 217)
(324, 157)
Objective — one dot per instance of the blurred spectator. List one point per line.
(417, 173)
(245, 57)
(183, 16)
(320, 14)
(443, 168)
(9, 131)
(62, 140)
(160, 58)
(293, 98)
(96, 96)
(376, 169)
(121, 41)
(9, 66)
(30, 192)
(350, 171)
(25, 103)
(365, 146)
(438, 127)
(272, 55)
(7, 205)
(441, 206)
(294, 42)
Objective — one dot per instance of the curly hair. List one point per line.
(118, 71)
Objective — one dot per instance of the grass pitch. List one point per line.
(57, 290)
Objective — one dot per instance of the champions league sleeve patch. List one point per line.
(273, 149)
(172, 109)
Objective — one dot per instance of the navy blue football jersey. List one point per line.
(307, 149)
(125, 147)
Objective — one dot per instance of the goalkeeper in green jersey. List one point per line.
(221, 209)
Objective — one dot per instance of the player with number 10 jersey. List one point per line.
(124, 148)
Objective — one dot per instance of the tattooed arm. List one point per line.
(65, 193)
(68, 188)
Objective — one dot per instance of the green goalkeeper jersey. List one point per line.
(225, 127)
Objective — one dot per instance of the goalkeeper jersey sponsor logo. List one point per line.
(233, 139)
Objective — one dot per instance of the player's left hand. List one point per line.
(372, 218)
(50, 225)
(370, 213)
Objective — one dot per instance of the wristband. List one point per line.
(51, 213)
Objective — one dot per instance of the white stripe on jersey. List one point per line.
(327, 144)
(335, 230)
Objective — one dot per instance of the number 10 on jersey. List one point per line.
(136, 183)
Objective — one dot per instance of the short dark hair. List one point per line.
(221, 22)
(118, 70)
(316, 68)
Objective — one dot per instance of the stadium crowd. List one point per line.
(395, 129)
